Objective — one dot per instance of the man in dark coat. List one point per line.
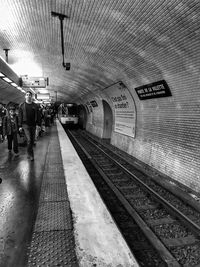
(29, 117)
(10, 129)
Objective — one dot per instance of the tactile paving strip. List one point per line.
(54, 149)
(54, 142)
(55, 248)
(53, 192)
(53, 241)
(53, 216)
(58, 168)
(54, 155)
(53, 178)
(54, 160)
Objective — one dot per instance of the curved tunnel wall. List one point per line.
(167, 129)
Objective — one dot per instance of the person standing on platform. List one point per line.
(10, 129)
(2, 115)
(29, 117)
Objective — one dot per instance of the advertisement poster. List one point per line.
(124, 107)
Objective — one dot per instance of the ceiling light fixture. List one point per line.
(61, 18)
(5, 70)
(6, 79)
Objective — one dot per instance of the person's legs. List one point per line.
(1, 132)
(28, 138)
(9, 138)
(30, 135)
(15, 143)
(32, 139)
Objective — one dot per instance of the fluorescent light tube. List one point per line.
(7, 79)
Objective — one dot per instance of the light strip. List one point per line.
(2, 76)
(7, 80)
(22, 90)
(14, 84)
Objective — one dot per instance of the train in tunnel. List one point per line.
(68, 114)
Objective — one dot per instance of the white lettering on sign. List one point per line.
(153, 90)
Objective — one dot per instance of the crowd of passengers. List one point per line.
(23, 124)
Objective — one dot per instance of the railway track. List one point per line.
(160, 228)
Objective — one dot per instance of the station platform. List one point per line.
(51, 213)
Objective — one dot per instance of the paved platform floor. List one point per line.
(20, 197)
(50, 212)
(19, 193)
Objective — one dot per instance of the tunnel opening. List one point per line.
(108, 121)
(82, 120)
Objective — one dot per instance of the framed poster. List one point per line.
(124, 108)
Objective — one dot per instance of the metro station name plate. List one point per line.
(153, 90)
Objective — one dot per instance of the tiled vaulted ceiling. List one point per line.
(104, 40)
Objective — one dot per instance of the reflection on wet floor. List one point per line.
(19, 194)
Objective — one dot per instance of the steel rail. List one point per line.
(189, 223)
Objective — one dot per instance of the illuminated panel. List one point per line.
(35, 82)
(43, 96)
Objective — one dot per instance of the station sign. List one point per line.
(34, 82)
(153, 90)
(94, 103)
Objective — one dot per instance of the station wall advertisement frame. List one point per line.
(124, 109)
